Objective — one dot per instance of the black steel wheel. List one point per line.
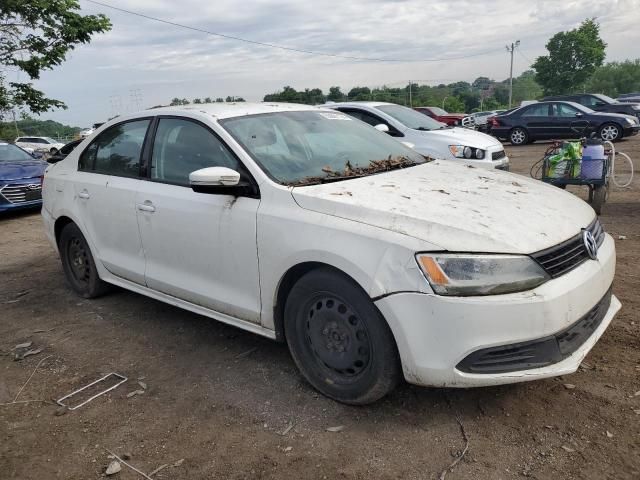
(78, 264)
(339, 340)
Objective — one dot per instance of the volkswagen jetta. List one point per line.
(308, 226)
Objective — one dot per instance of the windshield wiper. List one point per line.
(424, 129)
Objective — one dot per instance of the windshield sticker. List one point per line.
(335, 116)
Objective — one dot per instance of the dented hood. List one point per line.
(456, 207)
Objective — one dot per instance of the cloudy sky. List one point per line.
(141, 62)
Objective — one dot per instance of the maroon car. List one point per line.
(440, 115)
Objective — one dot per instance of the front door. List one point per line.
(199, 247)
(105, 189)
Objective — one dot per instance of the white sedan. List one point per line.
(307, 226)
(428, 136)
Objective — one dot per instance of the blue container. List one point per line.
(592, 162)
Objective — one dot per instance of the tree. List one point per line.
(482, 83)
(615, 78)
(359, 93)
(36, 35)
(453, 104)
(573, 58)
(184, 101)
(197, 101)
(525, 87)
(219, 100)
(335, 94)
(208, 100)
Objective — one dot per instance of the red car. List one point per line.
(440, 115)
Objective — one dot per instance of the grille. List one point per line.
(541, 352)
(570, 254)
(20, 193)
(498, 155)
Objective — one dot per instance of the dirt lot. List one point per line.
(232, 405)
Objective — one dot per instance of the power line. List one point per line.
(290, 49)
(525, 57)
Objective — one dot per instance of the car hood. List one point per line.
(464, 136)
(20, 170)
(456, 208)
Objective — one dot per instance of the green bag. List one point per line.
(566, 162)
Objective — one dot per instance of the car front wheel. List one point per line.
(610, 132)
(78, 264)
(339, 340)
(518, 136)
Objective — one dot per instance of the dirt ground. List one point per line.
(222, 403)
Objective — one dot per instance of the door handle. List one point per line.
(147, 206)
(84, 195)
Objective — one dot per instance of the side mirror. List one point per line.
(214, 177)
(222, 181)
(382, 127)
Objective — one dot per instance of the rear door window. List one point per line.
(537, 111)
(117, 150)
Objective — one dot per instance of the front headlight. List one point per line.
(468, 274)
(630, 121)
(462, 151)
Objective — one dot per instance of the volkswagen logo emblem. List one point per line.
(590, 244)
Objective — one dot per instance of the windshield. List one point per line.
(410, 118)
(11, 153)
(605, 98)
(298, 148)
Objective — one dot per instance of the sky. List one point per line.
(141, 63)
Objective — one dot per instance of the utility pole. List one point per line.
(511, 49)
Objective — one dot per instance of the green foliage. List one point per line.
(573, 57)
(615, 78)
(197, 101)
(335, 94)
(38, 128)
(454, 105)
(36, 35)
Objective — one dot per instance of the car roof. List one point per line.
(357, 104)
(223, 110)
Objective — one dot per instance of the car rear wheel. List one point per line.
(518, 136)
(339, 340)
(610, 132)
(78, 264)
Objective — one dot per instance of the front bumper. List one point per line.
(631, 131)
(435, 333)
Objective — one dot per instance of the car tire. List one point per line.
(610, 132)
(518, 136)
(339, 340)
(78, 264)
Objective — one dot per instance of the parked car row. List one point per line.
(306, 225)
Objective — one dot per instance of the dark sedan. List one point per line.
(547, 120)
(20, 178)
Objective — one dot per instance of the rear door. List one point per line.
(199, 247)
(538, 121)
(105, 187)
